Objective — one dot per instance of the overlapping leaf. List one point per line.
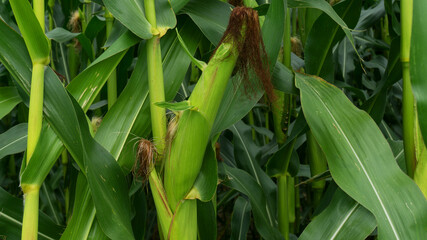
(9, 98)
(361, 161)
(418, 63)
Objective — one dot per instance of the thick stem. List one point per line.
(31, 212)
(294, 21)
(281, 109)
(155, 80)
(408, 97)
(35, 114)
(157, 93)
(283, 206)
(112, 80)
(35, 117)
(317, 161)
(38, 6)
(408, 121)
(158, 117)
(164, 214)
(291, 201)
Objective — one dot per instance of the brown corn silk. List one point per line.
(244, 29)
(145, 159)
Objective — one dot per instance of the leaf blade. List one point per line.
(338, 126)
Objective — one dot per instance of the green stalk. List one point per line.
(317, 161)
(294, 21)
(408, 97)
(73, 61)
(164, 214)
(87, 14)
(301, 24)
(38, 6)
(281, 117)
(297, 206)
(112, 80)
(283, 206)
(39, 50)
(155, 80)
(158, 118)
(30, 220)
(35, 114)
(291, 201)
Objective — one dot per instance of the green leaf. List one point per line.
(165, 17)
(95, 25)
(240, 219)
(247, 155)
(361, 162)
(246, 184)
(83, 212)
(129, 116)
(350, 220)
(33, 34)
(212, 19)
(46, 153)
(14, 54)
(9, 99)
(274, 25)
(61, 35)
(371, 15)
(14, 140)
(85, 91)
(176, 106)
(276, 165)
(200, 64)
(325, 34)
(326, 8)
(105, 178)
(375, 105)
(178, 4)
(283, 79)
(129, 12)
(204, 187)
(418, 63)
(174, 71)
(210, 16)
(206, 220)
(56, 102)
(11, 215)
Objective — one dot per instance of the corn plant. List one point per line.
(186, 119)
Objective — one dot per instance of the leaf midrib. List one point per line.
(317, 94)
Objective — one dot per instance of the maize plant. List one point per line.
(214, 119)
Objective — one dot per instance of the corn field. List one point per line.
(208, 119)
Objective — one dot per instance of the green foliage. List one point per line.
(222, 163)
